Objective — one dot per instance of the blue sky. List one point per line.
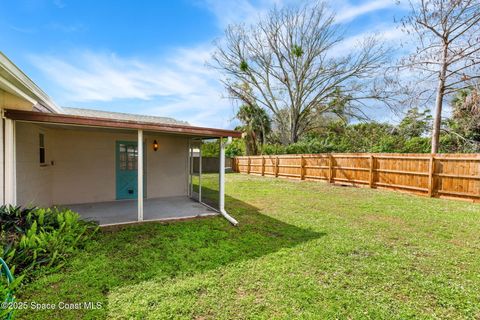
(149, 56)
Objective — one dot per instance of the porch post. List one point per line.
(2, 162)
(221, 189)
(190, 167)
(200, 172)
(10, 163)
(140, 174)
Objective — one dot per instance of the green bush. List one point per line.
(7, 289)
(273, 149)
(5, 296)
(417, 145)
(234, 149)
(36, 238)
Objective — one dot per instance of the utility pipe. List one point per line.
(222, 182)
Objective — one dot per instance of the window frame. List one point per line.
(42, 150)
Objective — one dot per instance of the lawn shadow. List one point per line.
(128, 255)
(169, 248)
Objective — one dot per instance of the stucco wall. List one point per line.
(167, 167)
(34, 182)
(83, 167)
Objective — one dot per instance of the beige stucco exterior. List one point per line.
(34, 183)
(80, 165)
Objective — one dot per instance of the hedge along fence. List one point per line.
(439, 175)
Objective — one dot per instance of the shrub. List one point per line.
(236, 148)
(5, 296)
(270, 149)
(417, 145)
(7, 288)
(36, 238)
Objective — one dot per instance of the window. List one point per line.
(41, 137)
(128, 154)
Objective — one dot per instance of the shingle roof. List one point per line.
(121, 116)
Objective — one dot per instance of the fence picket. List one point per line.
(443, 175)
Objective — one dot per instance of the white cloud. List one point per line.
(177, 84)
(241, 11)
(227, 12)
(348, 12)
(248, 11)
(89, 76)
(388, 33)
(180, 84)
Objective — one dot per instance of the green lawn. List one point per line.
(302, 250)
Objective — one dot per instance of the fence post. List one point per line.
(370, 180)
(276, 167)
(248, 167)
(431, 171)
(302, 168)
(263, 165)
(330, 168)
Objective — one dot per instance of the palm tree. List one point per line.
(466, 112)
(256, 125)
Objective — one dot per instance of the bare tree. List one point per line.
(448, 48)
(291, 63)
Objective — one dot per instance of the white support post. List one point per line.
(10, 163)
(189, 168)
(221, 188)
(190, 163)
(140, 174)
(2, 162)
(222, 183)
(200, 173)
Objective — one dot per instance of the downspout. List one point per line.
(222, 182)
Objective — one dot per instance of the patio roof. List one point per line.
(121, 116)
(104, 122)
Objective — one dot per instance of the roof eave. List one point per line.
(66, 119)
(22, 83)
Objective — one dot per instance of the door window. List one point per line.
(128, 157)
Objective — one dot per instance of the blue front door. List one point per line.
(126, 169)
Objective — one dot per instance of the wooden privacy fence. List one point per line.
(439, 175)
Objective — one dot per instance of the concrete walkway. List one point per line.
(124, 211)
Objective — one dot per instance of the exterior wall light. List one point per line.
(155, 145)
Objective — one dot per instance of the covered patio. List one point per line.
(156, 209)
(114, 169)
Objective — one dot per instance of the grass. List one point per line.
(210, 188)
(302, 250)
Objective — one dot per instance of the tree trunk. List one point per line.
(437, 121)
(253, 142)
(293, 130)
(293, 137)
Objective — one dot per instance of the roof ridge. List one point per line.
(133, 116)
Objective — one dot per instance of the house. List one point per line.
(110, 167)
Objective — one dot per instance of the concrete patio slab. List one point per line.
(125, 211)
